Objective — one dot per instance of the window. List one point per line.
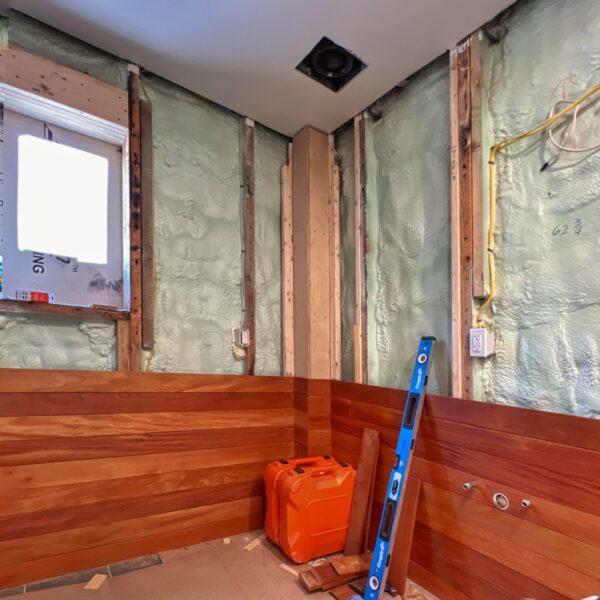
(62, 200)
(63, 205)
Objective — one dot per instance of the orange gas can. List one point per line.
(272, 475)
(314, 506)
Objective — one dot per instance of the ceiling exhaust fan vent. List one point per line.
(331, 65)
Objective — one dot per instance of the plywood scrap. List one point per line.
(95, 582)
(255, 542)
(343, 592)
(310, 581)
(226, 541)
(325, 577)
(363, 493)
(350, 565)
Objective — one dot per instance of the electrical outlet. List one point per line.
(481, 342)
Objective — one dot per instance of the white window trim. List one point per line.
(49, 111)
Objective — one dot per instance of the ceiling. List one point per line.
(242, 53)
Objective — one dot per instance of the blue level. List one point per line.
(396, 486)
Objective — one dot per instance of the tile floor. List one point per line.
(208, 571)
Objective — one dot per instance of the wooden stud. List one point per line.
(74, 312)
(461, 219)
(148, 283)
(135, 223)
(43, 77)
(287, 265)
(249, 245)
(334, 263)
(360, 229)
(123, 346)
(479, 242)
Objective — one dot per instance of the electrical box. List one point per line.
(241, 337)
(481, 342)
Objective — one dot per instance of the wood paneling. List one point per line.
(463, 546)
(101, 467)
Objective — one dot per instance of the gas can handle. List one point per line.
(307, 462)
(323, 471)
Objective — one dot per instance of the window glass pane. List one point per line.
(62, 205)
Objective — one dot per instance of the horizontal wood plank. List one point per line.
(434, 584)
(48, 450)
(34, 380)
(87, 313)
(566, 520)
(110, 511)
(81, 471)
(19, 428)
(477, 532)
(560, 458)
(62, 84)
(50, 544)
(435, 562)
(579, 494)
(469, 563)
(15, 404)
(247, 517)
(130, 489)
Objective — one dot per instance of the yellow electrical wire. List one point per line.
(499, 147)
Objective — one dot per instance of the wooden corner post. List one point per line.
(311, 232)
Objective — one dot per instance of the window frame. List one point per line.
(53, 112)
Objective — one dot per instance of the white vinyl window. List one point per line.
(63, 207)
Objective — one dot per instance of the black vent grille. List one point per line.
(331, 65)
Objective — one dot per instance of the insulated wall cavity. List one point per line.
(270, 153)
(408, 213)
(197, 231)
(547, 306)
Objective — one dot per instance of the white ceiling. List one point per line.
(242, 53)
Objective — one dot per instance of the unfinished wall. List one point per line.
(408, 209)
(344, 147)
(47, 342)
(197, 233)
(270, 152)
(547, 320)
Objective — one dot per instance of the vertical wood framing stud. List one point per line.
(334, 262)
(135, 223)
(287, 266)
(461, 219)
(249, 242)
(360, 230)
(148, 283)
